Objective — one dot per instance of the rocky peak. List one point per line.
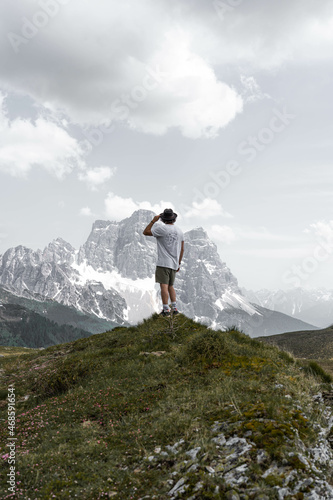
(135, 254)
(121, 246)
(198, 234)
(203, 278)
(59, 252)
(18, 256)
(98, 250)
(140, 216)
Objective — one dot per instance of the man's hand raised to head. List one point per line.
(147, 231)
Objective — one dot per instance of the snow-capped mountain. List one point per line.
(112, 277)
(51, 274)
(312, 306)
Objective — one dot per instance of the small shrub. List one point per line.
(234, 328)
(63, 376)
(314, 369)
(285, 356)
(3, 394)
(208, 346)
(241, 337)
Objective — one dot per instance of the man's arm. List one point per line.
(181, 255)
(147, 231)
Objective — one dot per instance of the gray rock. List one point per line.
(193, 453)
(232, 495)
(177, 487)
(220, 440)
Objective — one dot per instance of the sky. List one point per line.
(221, 110)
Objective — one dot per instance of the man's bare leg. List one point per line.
(164, 294)
(172, 293)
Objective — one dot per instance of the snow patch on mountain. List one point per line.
(141, 295)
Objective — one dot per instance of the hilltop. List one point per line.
(168, 409)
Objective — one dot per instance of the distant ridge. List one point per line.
(21, 327)
(317, 344)
(59, 313)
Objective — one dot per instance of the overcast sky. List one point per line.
(221, 110)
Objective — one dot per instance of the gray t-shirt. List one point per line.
(169, 243)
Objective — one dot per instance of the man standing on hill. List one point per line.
(170, 251)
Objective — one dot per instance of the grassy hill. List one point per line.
(305, 344)
(168, 409)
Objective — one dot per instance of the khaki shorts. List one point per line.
(165, 275)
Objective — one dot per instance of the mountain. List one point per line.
(167, 412)
(312, 306)
(50, 274)
(21, 327)
(316, 344)
(58, 313)
(112, 278)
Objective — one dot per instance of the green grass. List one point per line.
(99, 406)
(326, 364)
(10, 351)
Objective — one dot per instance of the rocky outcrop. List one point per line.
(235, 466)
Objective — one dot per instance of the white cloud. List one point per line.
(24, 145)
(205, 209)
(161, 71)
(323, 230)
(224, 234)
(252, 91)
(147, 76)
(118, 208)
(189, 97)
(86, 212)
(96, 176)
(267, 35)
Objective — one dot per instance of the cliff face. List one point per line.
(50, 274)
(121, 247)
(204, 279)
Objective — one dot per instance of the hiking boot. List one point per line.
(165, 313)
(175, 311)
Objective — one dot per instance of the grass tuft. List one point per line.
(314, 369)
(205, 348)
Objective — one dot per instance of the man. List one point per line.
(170, 251)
